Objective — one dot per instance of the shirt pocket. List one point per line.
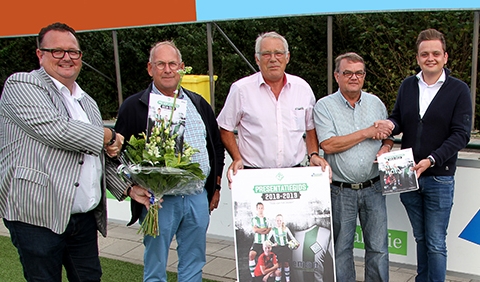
(298, 121)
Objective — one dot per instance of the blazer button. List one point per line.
(80, 162)
(76, 184)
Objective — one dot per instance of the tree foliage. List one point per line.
(385, 40)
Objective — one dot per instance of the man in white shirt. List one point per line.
(272, 111)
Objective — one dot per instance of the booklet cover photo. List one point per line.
(396, 172)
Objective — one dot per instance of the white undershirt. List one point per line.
(428, 92)
(88, 193)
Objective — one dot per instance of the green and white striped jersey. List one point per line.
(259, 223)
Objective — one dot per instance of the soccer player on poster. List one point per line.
(261, 230)
(267, 267)
(285, 242)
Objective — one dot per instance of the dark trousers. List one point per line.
(43, 252)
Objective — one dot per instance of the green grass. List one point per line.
(113, 270)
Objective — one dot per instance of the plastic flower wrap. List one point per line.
(162, 164)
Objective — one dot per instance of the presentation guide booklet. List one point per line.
(160, 111)
(396, 172)
(290, 208)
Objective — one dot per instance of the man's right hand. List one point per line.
(114, 149)
(382, 129)
(232, 170)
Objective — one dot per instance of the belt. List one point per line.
(356, 186)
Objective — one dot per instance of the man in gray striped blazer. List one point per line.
(52, 173)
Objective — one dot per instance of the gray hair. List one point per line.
(350, 56)
(169, 43)
(271, 34)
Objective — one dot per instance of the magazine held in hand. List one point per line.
(396, 172)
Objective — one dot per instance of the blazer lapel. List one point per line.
(56, 96)
(91, 110)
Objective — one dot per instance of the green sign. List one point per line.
(110, 196)
(397, 241)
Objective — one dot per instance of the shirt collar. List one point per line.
(156, 91)
(359, 102)
(440, 80)
(77, 93)
(262, 81)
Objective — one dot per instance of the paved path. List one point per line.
(123, 243)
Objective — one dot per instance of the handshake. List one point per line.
(380, 129)
(113, 142)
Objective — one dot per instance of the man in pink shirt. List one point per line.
(272, 111)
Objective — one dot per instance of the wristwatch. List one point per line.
(432, 160)
(312, 154)
(114, 137)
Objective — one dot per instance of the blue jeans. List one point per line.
(186, 218)
(43, 252)
(429, 212)
(369, 204)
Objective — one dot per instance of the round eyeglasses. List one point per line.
(161, 65)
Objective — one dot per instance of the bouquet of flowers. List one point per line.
(161, 162)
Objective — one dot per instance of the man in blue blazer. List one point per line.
(52, 173)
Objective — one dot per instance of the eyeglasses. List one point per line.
(172, 65)
(358, 74)
(268, 54)
(60, 53)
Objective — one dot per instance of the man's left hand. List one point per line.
(422, 166)
(141, 195)
(215, 200)
(319, 161)
(316, 160)
(384, 149)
